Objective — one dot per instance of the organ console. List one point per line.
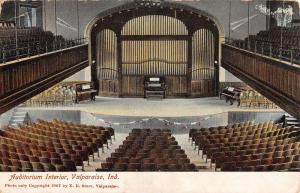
(154, 87)
(231, 94)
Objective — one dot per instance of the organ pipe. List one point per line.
(157, 56)
(202, 55)
(107, 56)
(154, 25)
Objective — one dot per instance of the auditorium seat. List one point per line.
(269, 43)
(275, 149)
(148, 150)
(50, 146)
(62, 94)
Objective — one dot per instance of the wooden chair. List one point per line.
(69, 165)
(228, 166)
(37, 167)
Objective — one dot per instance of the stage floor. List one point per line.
(157, 108)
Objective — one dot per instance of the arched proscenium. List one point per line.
(194, 19)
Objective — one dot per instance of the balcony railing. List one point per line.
(268, 49)
(7, 53)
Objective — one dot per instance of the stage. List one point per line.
(156, 108)
(179, 115)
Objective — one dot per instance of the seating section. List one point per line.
(269, 43)
(28, 41)
(51, 146)
(250, 147)
(291, 37)
(148, 150)
(252, 99)
(7, 24)
(59, 95)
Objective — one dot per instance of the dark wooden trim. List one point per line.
(34, 89)
(116, 18)
(290, 105)
(266, 59)
(39, 56)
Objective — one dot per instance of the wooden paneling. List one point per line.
(22, 79)
(107, 64)
(108, 87)
(177, 86)
(133, 86)
(277, 80)
(153, 42)
(203, 88)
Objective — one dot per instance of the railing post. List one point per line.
(292, 56)
(28, 50)
(3, 54)
(46, 49)
(280, 53)
(262, 48)
(17, 53)
(38, 48)
(255, 46)
(270, 50)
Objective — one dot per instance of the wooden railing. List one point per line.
(24, 78)
(276, 79)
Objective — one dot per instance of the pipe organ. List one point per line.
(203, 55)
(107, 66)
(156, 45)
(161, 58)
(154, 25)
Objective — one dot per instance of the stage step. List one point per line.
(19, 117)
(291, 121)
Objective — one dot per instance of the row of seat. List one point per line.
(59, 95)
(148, 150)
(23, 42)
(7, 24)
(252, 99)
(291, 36)
(247, 147)
(51, 146)
(279, 42)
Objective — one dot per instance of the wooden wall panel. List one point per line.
(203, 88)
(22, 79)
(275, 79)
(107, 70)
(108, 87)
(177, 86)
(133, 86)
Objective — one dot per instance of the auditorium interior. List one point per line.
(149, 85)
